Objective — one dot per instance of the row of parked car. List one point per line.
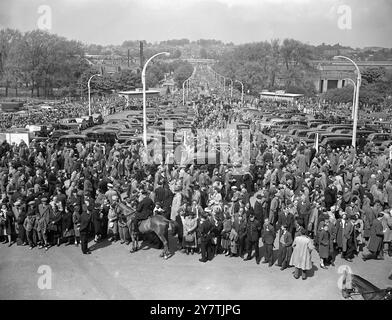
(296, 126)
(164, 126)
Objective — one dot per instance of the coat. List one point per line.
(253, 230)
(343, 234)
(260, 210)
(144, 209)
(302, 249)
(376, 236)
(324, 244)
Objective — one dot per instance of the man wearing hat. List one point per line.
(44, 210)
(29, 224)
(285, 242)
(260, 207)
(204, 230)
(144, 209)
(85, 220)
(268, 237)
(253, 228)
(19, 211)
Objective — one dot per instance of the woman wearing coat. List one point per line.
(301, 257)
(285, 248)
(190, 223)
(55, 223)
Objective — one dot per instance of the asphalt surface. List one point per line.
(112, 272)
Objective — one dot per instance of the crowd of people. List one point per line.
(326, 201)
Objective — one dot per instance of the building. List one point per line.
(334, 73)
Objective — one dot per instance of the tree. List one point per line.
(9, 73)
(203, 53)
(183, 72)
(372, 75)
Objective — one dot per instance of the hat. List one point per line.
(110, 185)
(31, 203)
(44, 199)
(17, 203)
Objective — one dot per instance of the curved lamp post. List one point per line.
(355, 91)
(354, 141)
(89, 92)
(144, 96)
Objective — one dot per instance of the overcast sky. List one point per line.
(238, 21)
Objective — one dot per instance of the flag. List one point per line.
(316, 145)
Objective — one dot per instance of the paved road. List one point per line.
(111, 272)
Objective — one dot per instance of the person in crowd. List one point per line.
(226, 231)
(253, 230)
(268, 237)
(190, 223)
(285, 247)
(375, 245)
(204, 231)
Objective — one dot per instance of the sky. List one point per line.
(356, 23)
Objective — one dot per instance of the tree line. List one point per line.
(270, 65)
(48, 65)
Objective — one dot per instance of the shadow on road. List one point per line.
(101, 244)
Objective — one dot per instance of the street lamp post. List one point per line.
(354, 141)
(242, 91)
(354, 96)
(144, 96)
(183, 93)
(89, 92)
